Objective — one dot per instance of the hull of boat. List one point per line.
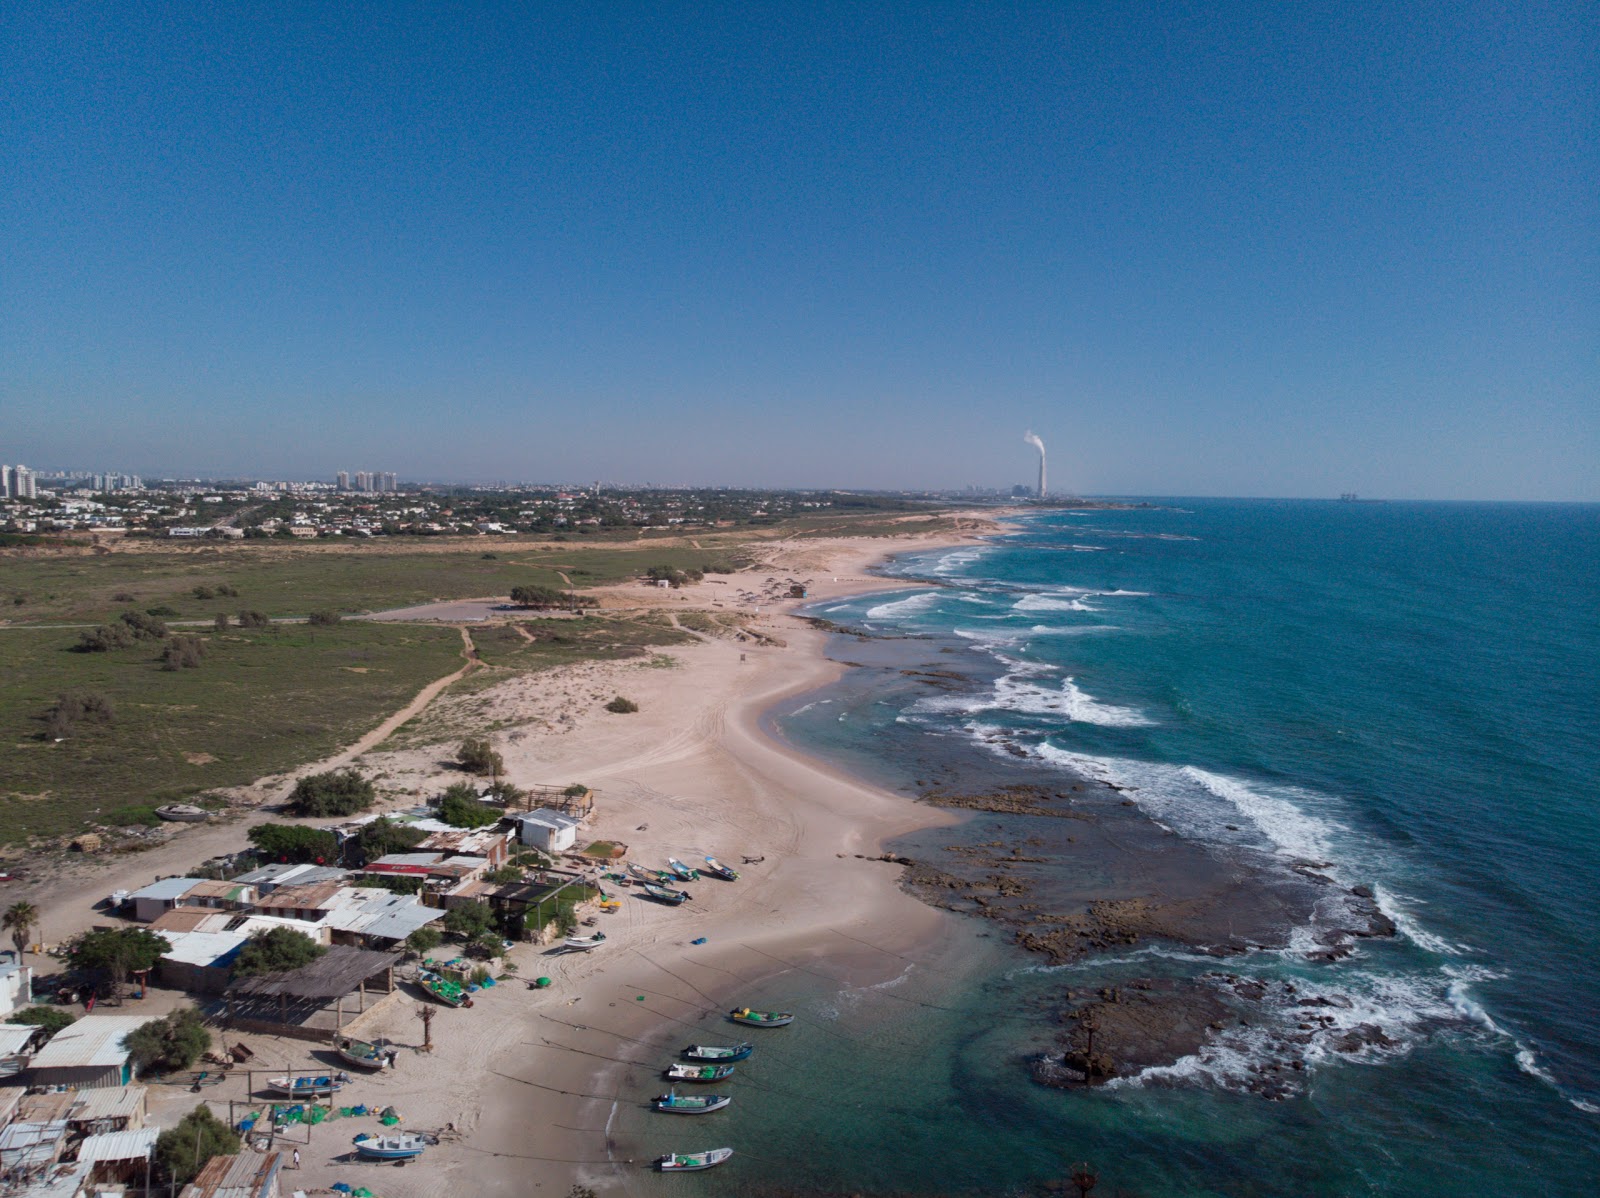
(712, 1102)
(699, 1074)
(761, 1018)
(663, 894)
(693, 1162)
(719, 1053)
(308, 1087)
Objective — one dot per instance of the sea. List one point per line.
(1400, 696)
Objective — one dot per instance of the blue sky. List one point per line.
(1223, 249)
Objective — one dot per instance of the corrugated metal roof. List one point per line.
(167, 888)
(24, 1145)
(14, 1037)
(106, 1103)
(421, 859)
(309, 895)
(119, 1145)
(400, 923)
(191, 919)
(243, 1175)
(95, 1041)
(203, 948)
(233, 891)
(546, 818)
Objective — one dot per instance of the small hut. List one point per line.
(296, 1002)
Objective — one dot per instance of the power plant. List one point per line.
(1031, 439)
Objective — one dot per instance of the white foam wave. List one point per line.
(1072, 629)
(899, 608)
(1392, 906)
(1587, 1108)
(1051, 603)
(958, 559)
(1014, 691)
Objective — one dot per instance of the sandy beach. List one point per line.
(529, 1080)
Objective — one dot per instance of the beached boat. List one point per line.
(445, 990)
(309, 1085)
(401, 1146)
(649, 875)
(760, 1018)
(698, 1073)
(585, 942)
(692, 1162)
(361, 1053)
(665, 894)
(719, 1052)
(674, 1103)
(681, 871)
(183, 813)
(716, 868)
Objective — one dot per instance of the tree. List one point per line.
(276, 950)
(504, 876)
(382, 837)
(460, 807)
(145, 627)
(220, 622)
(423, 939)
(323, 619)
(19, 920)
(478, 756)
(621, 706)
(292, 843)
(52, 1019)
(340, 792)
(576, 791)
(469, 921)
(182, 1151)
(170, 1043)
(183, 653)
(72, 708)
(537, 596)
(113, 953)
(253, 619)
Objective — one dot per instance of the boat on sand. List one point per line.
(760, 1018)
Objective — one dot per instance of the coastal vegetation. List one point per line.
(52, 1019)
(107, 956)
(294, 844)
(338, 792)
(175, 1041)
(182, 1151)
(477, 756)
(275, 950)
(622, 706)
(460, 807)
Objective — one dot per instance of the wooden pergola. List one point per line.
(332, 977)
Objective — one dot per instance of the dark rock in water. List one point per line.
(1362, 892)
(1363, 1035)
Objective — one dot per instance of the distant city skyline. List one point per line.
(1244, 250)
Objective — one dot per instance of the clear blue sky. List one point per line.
(1226, 249)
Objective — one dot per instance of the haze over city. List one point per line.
(1213, 251)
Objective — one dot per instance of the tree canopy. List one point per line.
(477, 756)
(292, 843)
(52, 1019)
(19, 920)
(170, 1043)
(537, 596)
(383, 836)
(274, 951)
(117, 952)
(460, 807)
(339, 792)
(182, 1151)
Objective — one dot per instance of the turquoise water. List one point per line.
(1404, 692)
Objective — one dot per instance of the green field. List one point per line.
(261, 702)
(283, 581)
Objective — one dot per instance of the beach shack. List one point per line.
(100, 1112)
(118, 1158)
(88, 1054)
(16, 987)
(238, 1175)
(29, 1148)
(152, 901)
(548, 830)
(199, 962)
(17, 1043)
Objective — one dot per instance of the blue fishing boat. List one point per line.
(665, 894)
(673, 1103)
(309, 1086)
(681, 871)
(717, 869)
(401, 1146)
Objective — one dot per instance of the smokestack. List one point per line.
(1034, 441)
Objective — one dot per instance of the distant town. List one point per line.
(366, 503)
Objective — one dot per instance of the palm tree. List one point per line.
(19, 920)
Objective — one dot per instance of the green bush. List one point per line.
(52, 1019)
(460, 807)
(253, 619)
(182, 1151)
(478, 756)
(340, 792)
(173, 1042)
(276, 951)
(383, 836)
(113, 953)
(323, 619)
(424, 939)
(622, 706)
(469, 921)
(292, 843)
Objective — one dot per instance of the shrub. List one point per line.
(113, 953)
(292, 843)
(423, 939)
(576, 791)
(504, 876)
(383, 836)
(460, 807)
(469, 921)
(274, 951)
(339, 792)
(253, 619)
(52, 1019)
(537, 596)
(125, 597)
(163, 610)
(183, 653)
(182, 1151)
(323, 619)
(171, 1043)
(622, 706)
(479, 757)
(220, 623)
(204, 593)
(72, 707)
(146, 627)
(105, 638)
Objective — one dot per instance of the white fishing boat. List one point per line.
(692, 1162)
(584, 943)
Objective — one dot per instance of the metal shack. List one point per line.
(87, 1054)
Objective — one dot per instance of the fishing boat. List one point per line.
(445, 990)
(715, 867)
(665, 894)
(674, 1103)
(400, 1146)
(719, 1052)
(362, 1054)
(760, 1018)
(699, 1073)
(692, 1162)
(648, 875)
(309, 1086)
(583, 943)
(183, 813)
(681, 871)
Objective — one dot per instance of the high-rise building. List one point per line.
(5, 482)
(24, 484)
(363, 480)
(391, 481)
(342, 480)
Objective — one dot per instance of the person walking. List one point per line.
(296, 1158)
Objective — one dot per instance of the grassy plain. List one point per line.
(261, 702)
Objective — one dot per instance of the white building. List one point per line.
(547, 830)
(16, 988)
